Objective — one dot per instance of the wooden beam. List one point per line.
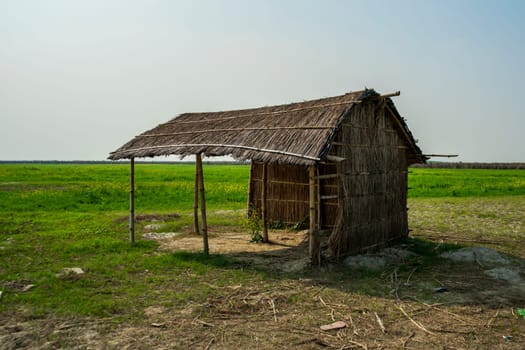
(334, 196)
(392, 94)
(196, 201)
(248, 148)
(198, 162)
(335, 158)
(204, 131)
(132, 200)
(318, 208)
(326, 176)
(263, 202)
(314, 243)
(441, 155)
(250, 203)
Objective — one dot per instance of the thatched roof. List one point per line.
(295, 133)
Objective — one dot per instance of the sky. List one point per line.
(80, 78)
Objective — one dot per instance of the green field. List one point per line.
(58, 216)
(88, 188)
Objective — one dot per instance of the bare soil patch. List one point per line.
(286, 251)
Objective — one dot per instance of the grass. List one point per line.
(96, 188)
(433, 183)
(58, 216)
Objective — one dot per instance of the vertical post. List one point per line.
(198, 162)
(315, 254)
(132, 200)
(263, 203)
(196, 201)
(319, 202)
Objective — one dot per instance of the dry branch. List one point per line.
(417, 324)
(380, 322)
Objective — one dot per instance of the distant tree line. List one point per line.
(470, 165)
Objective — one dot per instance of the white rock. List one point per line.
(71, 271)
(161, 235)
(153, 227)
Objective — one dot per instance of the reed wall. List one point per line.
(286, 192)
(373, 182)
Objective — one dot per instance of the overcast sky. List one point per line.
(80, 78)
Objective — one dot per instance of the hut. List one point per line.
(339, 163)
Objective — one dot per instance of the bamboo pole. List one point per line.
(263, 203)
(249, 148)
(203, 204)
(132, 200)
(441, 155)
(392, 94)
(196, 201)
(318, 184)
(335, 158)
(314, 234)
(204, 131)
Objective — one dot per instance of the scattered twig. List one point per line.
(306, 341)
(417, 324)
(405, 341)
(83, 323)
(489, 323)
(381, 325)
(351, 320)
(363, 346)
(456, 316)
(319, 291)
(396, 285)
(332, 311)
(212, 340)
(477, 260)
(407, 283)
(273, 308)
(204, 323)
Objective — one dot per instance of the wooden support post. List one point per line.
(196, 201)
(318, 184)
(315, 254)
(263, 203)
(198, 162)
(132, 201)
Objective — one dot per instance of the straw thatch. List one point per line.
(296, 133)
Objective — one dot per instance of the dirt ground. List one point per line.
(287, 250)
(477, 312)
